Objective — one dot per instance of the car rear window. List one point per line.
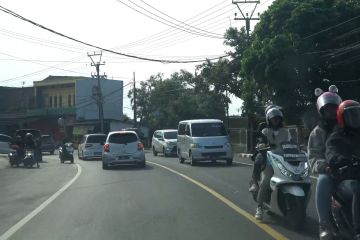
(170, 135)
(122, 138)
(208, 129)
(46, 139)
(96, 139)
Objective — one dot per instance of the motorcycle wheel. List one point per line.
(296, 212)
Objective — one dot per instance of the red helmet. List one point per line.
(348, 114)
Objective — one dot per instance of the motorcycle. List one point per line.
(341, 206)
(66, 153)
(15, 156)
(30, 159)
(290, 184)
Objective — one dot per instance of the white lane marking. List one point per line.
(36, 211)
(249, 164)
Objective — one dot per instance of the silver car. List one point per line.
(91, 146)
(5, 142)
(123, 148)
(165, 142)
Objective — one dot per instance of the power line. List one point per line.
(332, 27)
(173, 25)
(162, 34)
(94, 46)
(178, 20)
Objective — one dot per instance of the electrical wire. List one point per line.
(3, 9)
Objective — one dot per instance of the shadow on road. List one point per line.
(216, 164)
(130, 167)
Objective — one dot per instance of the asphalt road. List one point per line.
(166, 200)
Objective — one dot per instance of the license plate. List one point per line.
(123, 157)
(97, 153)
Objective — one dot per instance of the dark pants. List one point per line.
(260, 161)
(351, 188)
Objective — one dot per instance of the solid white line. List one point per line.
(249, 164)
(36, 211)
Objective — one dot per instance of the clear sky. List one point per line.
(28, 53)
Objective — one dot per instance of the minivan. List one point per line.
(91, 146)
(203, 140)
(164, 141)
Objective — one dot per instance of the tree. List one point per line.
(285, 61)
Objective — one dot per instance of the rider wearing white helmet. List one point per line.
(327, 103)
(274, 134)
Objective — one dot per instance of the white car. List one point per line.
(5, 142)
(203, 140)
(165, 142)
(123, 148)
(91, 146)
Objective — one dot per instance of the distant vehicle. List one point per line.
(91, 146)
(66, 152)
(5, 142)
(165, 142)
(47, 144)
(203, 140)
(123, 147)
(37, 139)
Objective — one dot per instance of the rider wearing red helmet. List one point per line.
(342, 146)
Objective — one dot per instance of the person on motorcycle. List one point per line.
(275, 134)
(342, 146)
(327, 104)
(29, 141)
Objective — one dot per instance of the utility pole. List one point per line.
(246, 16)
(135, 112)
(247, 27)
(227, 110)
(98, 93)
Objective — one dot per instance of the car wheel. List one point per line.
(181, 160)
(229, 162)
(192, 161)
(105, 166)
(164, 153)
(154, 152)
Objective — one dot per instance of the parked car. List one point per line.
(203, 140)
(47, 144)
(5, 142)
(123, 147)
(165, 142)
(91, 146)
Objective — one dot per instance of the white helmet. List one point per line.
(325, 98)
(273, 112)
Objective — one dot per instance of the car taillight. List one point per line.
(88, 145)
(107, 148)
(140, 146)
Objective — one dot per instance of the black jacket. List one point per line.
(341, 147)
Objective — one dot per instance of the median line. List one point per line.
(42, 206)
(272, 232)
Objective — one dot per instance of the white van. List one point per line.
(203, 140)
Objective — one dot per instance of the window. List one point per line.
(55, 101)
(69, 100)
(182, 129)
(170, 135)
(123, 138)
(96, 139)
(187, 130)
(60, 101)
(6, 139)
(50, 101)
(208, 129)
